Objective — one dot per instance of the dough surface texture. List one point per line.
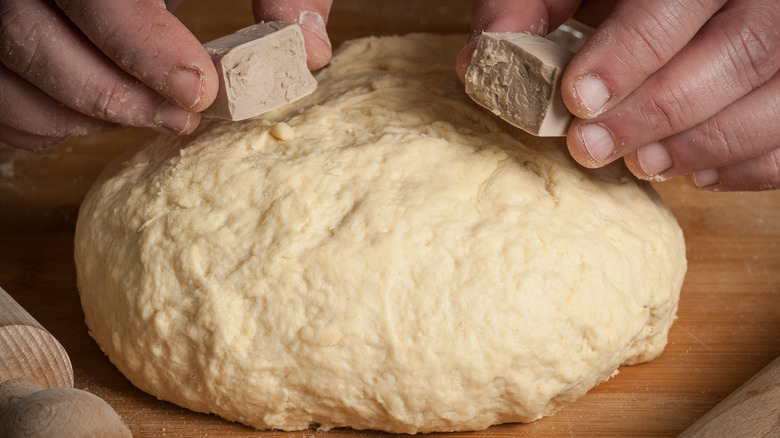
(383, 254)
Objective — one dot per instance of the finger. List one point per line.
(760, 173)
(25, 140)
(40, 45)
(151, 44)
(311, 15)
(27, 109)
(744, 130)
(637, 39)
(535, 16)
(735, 53)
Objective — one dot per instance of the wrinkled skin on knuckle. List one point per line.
(647, 40)
(665, 110)
(125, 103)
(20, 37)
(102, 106)
(754, 40)
(651, 35)
(728, 140)
(630, 58)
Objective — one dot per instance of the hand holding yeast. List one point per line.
(678, 88)
(82, 66)
(674, 88)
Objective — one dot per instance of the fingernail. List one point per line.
(598, 141)
(184, 86)
(314, 23)
(654, 159)
(592, 93)
(172, 118)
(704, 178)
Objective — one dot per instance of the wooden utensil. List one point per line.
(37, 398)
(753, 410)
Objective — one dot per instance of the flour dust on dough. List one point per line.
(382, 255)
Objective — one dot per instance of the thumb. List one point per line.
(311, 15)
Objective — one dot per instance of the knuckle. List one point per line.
(20, 37)
(754, 42)
(119, 101)
(665, 110)
(644, 46)
(726, 139)
(104, 103)
(101, 106)
(734, 139)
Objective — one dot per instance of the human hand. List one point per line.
(681, 88)
(678, 88)
(74, 67)
(311, 15)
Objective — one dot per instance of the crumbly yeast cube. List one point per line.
(260, 67)
(518, 77)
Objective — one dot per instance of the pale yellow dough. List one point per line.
(391, 257)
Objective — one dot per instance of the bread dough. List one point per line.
(383, 254)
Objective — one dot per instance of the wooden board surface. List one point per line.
(729, 317)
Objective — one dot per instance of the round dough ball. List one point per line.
(383, 254)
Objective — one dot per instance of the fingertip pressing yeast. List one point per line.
(260, 68)
(518, 77)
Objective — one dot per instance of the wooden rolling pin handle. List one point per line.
(32, 359)
(753, 410)
(28, 351)
(27, 411)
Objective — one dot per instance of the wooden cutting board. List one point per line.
(729, 317)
